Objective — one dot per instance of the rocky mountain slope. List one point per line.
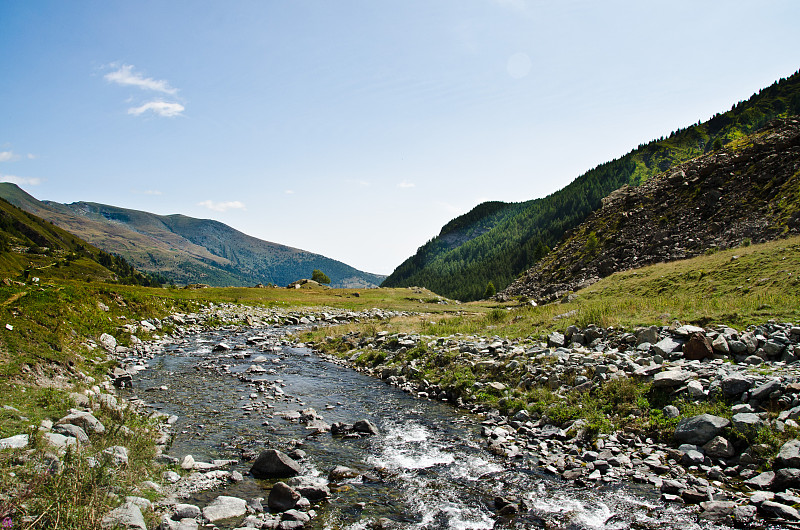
(748, 191)
(498, 241)
(187, 250)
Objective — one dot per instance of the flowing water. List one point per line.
(427, 469)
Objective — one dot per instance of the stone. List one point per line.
(282, 497)
(671, 378)
(365, 427)
(68, 429)
(719, 447)
(187, 462)
(696, 390)
(720, 345)
(747, 422)
(84, 420)
(717, 510)
(700, 429)
(20, 441)
(117, 454)
(340, 473)
(789, 455)
(774, 509)
(735, 383)
(128, 516)
(274, 464)
(556, 340)
(671, 411)
(762, 392)
(59, 441)
(647, 335)
(666, 346)
(762, 481)
(224, 507)
(786, 477)
(187, 511)
(312, 488)
(108, 343)
(698, 347)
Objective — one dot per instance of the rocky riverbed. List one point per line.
(429, 456)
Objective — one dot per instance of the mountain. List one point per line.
(498, 241)
(747, 192)
(31, 247)
(186, 250)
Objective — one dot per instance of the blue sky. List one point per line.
(356, 129)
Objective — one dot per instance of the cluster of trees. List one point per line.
(496, 242)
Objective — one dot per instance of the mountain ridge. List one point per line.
(187, 250)
(519, 234)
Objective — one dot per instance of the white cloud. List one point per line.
(8, 156)
(31, 156)
(161, 108)
(519, 65)
(126, 77)
(222, 206)
(20, 181)
(152, 192)
(406, 184)
(289, 192)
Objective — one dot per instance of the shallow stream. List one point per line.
(427, 469)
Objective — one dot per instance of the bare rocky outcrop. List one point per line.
(748, 191)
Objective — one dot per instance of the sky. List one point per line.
(357, 129)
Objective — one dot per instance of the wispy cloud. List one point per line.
(125, 76)
(160, 108)
(151, 192)
(8, 156)
(406, 184)
(362, 183)
(20, 181)
(289, 192)
(222, 206)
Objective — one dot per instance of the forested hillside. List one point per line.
(32, 247)
(496, 241)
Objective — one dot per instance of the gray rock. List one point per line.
(20, 441)
(762, 481)
(666, 346)
(717, 510)
(186, 511)
(647, 335)
(720, 345)
(282, 497)
(736, 383)
(774, 509)
(762, 392)
(128, 516)
(365, 427)
(555, 339)
(84, 420)
(274, 464)
(313, 488)
(68, 429)
(671, 378)
(700, 429)
(117, 454)
(671, 411)
(789, 455)
(224, 507)
(59, 441)
(785, 478)
(750, 341)
(747, 423)
(340, 473)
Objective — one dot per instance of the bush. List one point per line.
(320, 277)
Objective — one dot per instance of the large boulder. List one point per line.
(666, 346)
(274, 464)
(312, 488)
(736, 383)
(699, 430)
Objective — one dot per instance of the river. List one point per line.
(426, 469)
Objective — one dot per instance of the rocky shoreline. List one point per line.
(720, 464)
